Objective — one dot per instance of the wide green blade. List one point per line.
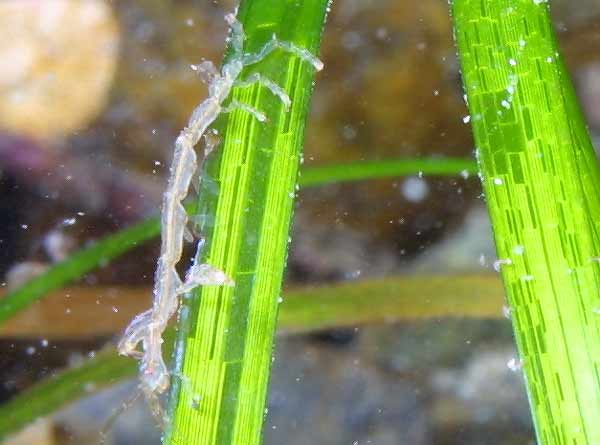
(542, 186)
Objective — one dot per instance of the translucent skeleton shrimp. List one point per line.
(147, 328)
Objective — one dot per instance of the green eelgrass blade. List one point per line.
(119, 243)
(303, 310)
(225, 335)
(387, 168)
(542, 185)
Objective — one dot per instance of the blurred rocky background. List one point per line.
(92, 94)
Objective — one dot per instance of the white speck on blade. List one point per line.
(498, 181)
(499, 263)
(519, 249)
(596, 310)
(512, 62)
(527, 277)
(466, 119)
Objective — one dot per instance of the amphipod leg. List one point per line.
(206, 70)
(237, 105)
(134, 334)
(274, 44)
(269, 84)
(203, 274)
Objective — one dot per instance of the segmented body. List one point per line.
(147, 328)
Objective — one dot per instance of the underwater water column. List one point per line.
(225, 334)
(542, 186)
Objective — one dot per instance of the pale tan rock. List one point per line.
(41, 432)
(57, 62)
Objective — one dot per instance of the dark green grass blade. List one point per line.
(542, 184)
(119, 243)
(387, 168)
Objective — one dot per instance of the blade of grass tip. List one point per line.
(225, 335)
(542, 185)
(303, 310)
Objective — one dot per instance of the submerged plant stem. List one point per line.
(225, 335)
(542, 186)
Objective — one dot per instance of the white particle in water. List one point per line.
(465, 174)
(115, 309)
(514, 364)
(30, 350)
(349, 132)
(466, 119)
(506, 311)
(381, 33)
(44, 343)
(414, 189)
(69, 221)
